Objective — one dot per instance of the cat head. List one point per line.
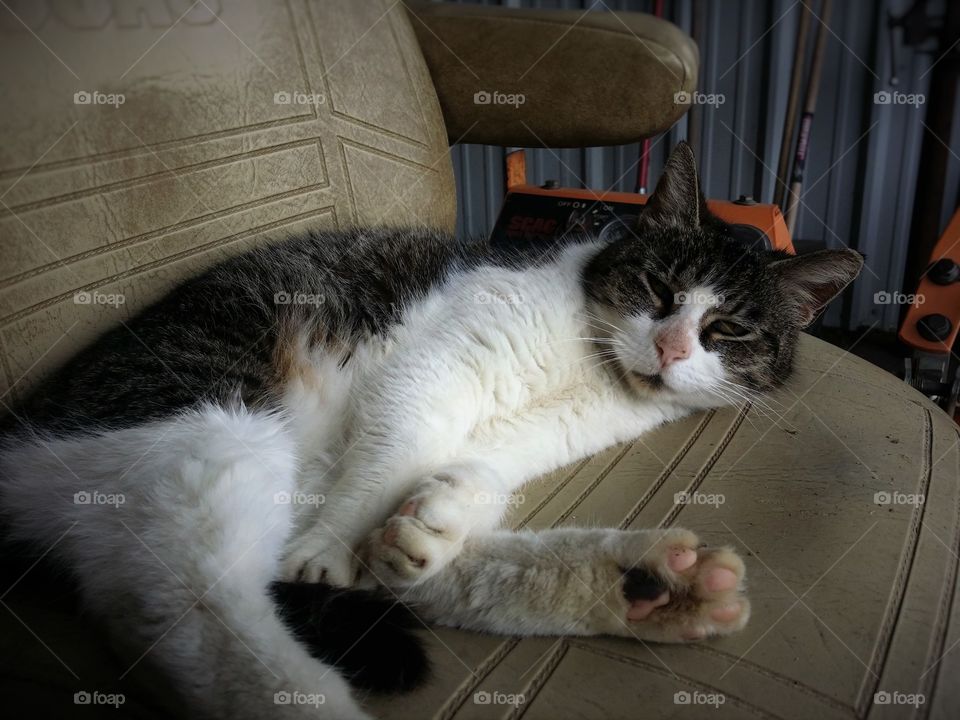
(686, 313)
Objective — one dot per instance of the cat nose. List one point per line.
(671, 347)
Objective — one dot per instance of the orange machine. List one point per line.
(932, 322)
(544, 214)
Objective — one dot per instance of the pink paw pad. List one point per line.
(720, 579)
(726, 613)
(681, 558)
(641, 609)
(408, 508)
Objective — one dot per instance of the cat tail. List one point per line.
(369, 637)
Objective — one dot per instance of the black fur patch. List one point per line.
(641, 584)
(214, 337)
(369, 637)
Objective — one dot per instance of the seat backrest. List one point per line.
(144, 140)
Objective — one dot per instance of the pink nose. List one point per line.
(672, 347)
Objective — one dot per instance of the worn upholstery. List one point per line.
(598, 78)
(200, 162)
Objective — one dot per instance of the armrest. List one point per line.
(553, 77)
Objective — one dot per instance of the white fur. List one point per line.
(489, 382)
(179, 569)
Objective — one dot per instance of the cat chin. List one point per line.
(657, 388)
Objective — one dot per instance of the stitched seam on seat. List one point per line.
(667, 471)
(593, 485)
(708, 465)
(552, 494)
(885, 636)
(946, 602)
(539, 679)
(171, 259)
(636, 662)
(772, 675)
(180, 172)
(456, 700)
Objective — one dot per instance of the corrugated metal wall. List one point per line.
(863, 160)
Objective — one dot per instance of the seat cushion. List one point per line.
(143, 142)
(853, 592)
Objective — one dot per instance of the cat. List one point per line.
(246, 476)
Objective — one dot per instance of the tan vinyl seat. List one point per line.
(144, 141)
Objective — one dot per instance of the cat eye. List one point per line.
(661, 292)
(728, 329)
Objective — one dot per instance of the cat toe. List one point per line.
(719, 571)
(313, 561)
(681, 592)
(406, 550)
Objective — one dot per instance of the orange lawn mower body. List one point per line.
(545, 214)
(932, 322)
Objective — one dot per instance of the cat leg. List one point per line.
(414, 435)
(403, 433)
(174, 533)
(430, 527)
(470, 497)
(658, 585)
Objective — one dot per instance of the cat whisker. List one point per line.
(757, 401)
(733, 400)
(594, 316)
(757, 398)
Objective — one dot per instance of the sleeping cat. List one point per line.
(355, 409)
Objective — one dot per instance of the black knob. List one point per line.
(934, 327)
(745, 200)
(550, 185)
(944, 272)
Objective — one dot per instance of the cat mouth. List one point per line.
(651, 382)
(638, 381)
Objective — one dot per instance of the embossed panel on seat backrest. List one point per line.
(145, 140)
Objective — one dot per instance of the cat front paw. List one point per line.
(426, 532)
(680, 591)
(319, 557)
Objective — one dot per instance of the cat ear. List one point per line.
(677, 201)
(814, 279)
